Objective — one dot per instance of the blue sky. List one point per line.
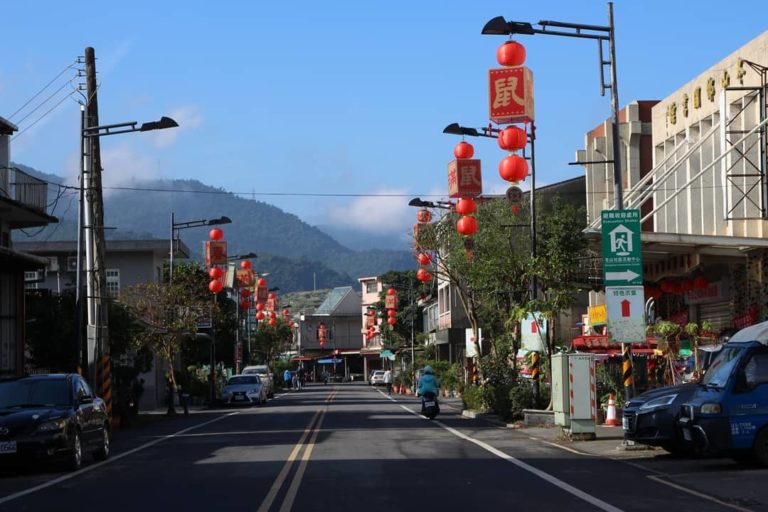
(335, 97)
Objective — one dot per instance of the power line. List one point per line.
(38, 93)
(46, 100)
(45, 114)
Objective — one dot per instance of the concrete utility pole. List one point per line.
(98, 325)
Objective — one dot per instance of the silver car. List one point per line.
(377, 378)
(244, 389)
(265, 375)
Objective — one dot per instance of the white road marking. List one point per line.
(696, 493)
(86, 469)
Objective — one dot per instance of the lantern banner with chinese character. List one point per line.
(390, 302)
(511, 95)
(262, 293)
(425, 236)
(245, 277)
(215, 253)
(272, 304)
(464, 178)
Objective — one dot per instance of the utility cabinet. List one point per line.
(573, 392)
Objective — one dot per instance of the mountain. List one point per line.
(297, 255)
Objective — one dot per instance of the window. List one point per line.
(30, 280)
(113, 282)
(370, 287)
(757, 369)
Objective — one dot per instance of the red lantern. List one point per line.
(286, 312)
(271, 295)
(262, 282)
(215, 273)
(272, 314)
(511, 53)
(216, 234)
(466, 206)
(700, 283)
(422, 274)
(245, 265)
(467, 226)
(515, 208)
(463, 150)
(424, 216)
(291, 324)
(245, 304)
(513, 168)
(260, 315)
(245, 292)
(391, 291)
(424, 258)
(215, 286)
(391, 312)
(272, 322)
(391, 320)
(512, 138)
(259, 306)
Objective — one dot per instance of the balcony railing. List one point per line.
(20, 186)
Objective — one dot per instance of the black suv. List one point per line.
(51, 417)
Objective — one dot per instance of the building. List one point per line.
(23, 200)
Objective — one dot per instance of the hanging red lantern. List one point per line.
(272, 314)
(391, 312)
(245, 304)
(423, 276)
(513, 168)
(259, 306)
(215, 286)
(700, 282)
(286, 312)
(391, 320)
(466, 226)
(511, 53)
(245, 292)
(262, 282)
(466, 206)
(215, 273)
(271, 295)
(245, 265)
(272, 322)
(512, 138)
(424, 258)
(391, 291)
(424, 216)
(260, 315)
(463, 150)
(216, 234)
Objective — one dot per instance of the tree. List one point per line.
(268, 342)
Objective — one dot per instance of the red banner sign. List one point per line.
(390, 302)
(261, 294)
(215, 253)
(511, 95)
(464, 178)
(245, 277)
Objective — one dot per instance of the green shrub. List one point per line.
(478, 398)
(520, 397)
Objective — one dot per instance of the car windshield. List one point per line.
(34, 392)
(721, 368)
(243, 379)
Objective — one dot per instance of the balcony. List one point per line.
(23, 188)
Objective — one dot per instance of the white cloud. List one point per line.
(189, 117)
(388, 214)
(124, 166)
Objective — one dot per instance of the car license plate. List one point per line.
(7, 446)
(625, 423)
(686, 434)
(429, 404)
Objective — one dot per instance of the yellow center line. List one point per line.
(294, 488)
(312, 428)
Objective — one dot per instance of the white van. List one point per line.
(265, 374)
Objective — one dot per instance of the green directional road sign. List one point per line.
(622, 248)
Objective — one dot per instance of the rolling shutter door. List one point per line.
(718, 314)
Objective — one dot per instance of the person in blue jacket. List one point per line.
(428, 384)
(287, 377)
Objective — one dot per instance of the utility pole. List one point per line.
(98, 325)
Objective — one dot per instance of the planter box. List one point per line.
(537, 418)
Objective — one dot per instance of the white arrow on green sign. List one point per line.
(622, 248)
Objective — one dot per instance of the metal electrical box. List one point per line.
(573, 392)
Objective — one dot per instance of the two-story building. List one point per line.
(23, 201)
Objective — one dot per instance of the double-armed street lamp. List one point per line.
(178, 226)
(238, 344)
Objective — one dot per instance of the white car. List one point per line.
(377, 378)
(265, 375)
(244, 389)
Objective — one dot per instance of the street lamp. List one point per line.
(178, 226)
(419, 203)
(238, 343)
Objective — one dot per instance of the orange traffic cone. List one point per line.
(610, 419)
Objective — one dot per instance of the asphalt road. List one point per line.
(344, 447)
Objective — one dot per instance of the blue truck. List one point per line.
(727, 414)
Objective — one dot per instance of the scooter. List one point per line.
(429, 406)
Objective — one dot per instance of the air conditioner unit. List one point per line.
(53, 264)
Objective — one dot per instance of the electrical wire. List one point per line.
(45, 114)
(38, 93)
(46, 100)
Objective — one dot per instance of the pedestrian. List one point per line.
(302, 375)
(287, 377)
(388, 381)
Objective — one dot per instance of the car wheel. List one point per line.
(760, 448)
(102, 452)
(76, 452)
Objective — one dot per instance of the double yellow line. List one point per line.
(310, 432)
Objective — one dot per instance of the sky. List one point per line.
(348, 99)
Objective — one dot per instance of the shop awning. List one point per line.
(329, 361)
(301, 358)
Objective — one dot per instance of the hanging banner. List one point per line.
(511, 95)
(245, 277)
(390, 302)
(215, 253)
(262, 293)
(533, 332)
(465, 178)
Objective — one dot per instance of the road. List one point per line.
(344, 447)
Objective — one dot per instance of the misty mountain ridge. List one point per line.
(298, 256)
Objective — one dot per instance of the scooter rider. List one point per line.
(428, 384)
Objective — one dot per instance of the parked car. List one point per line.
(265, 375)
(377, 378)
(52, 417)
(244, 389)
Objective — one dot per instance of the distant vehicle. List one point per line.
(265, 374)
(244, 389)
(53, 416)
(377, 378)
